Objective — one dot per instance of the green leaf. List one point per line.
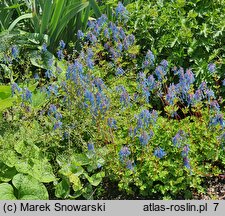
(40, 169)
(71, 11)
(6, 173)
(6, 192)
(96, 179)
(95, 7)
(62, 189)
(80, 159)
(76, 183)
(6, 103)
(58, 7)
(25, 16)
(5, 91)
(39, 99)
(29, 188)
(47, 12)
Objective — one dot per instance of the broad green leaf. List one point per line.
(29, 188)
(5, 91)
(39, 99)
(96, 179)
(9, 157)
(6, 192)
(6, 173)
(40, 169)
(80, 159)
(62, 189)
(76, 183)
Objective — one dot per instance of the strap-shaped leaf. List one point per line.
(95, 7)
(47, 12)
(25, 16)
(74, 9)
(58, 5)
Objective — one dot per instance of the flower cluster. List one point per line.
(124, 154)
(180, 141)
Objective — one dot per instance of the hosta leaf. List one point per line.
(29, 188)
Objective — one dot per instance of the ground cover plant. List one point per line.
(76, 124)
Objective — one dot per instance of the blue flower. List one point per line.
(99, 83)
(151, 82)
(144, 138)
(210, 94)
(160, 72)
(164, 63)
(102, 20)
(178, 138)
(14, 51)
(120, 71)
(15, 88)
(106, 33)
(89, 96)
(44, 48)
(121, 13)
(124, 153)
(60, 54)
(57, 125)
(49, 73)
(171, 94)
(159, 152)
(53, 89)
(214, 105)
(189, 76)
(36, 76)
(80, 34)
(129, 165)
(90, 63)
(217, 119)
(90, 147)
(223, 82)
(185, 151)
(52, 109)
(186, 163)
(112, 123)
(91, 37)
(27, 95)
(62, 44)
(211, 67)
(149, 60)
